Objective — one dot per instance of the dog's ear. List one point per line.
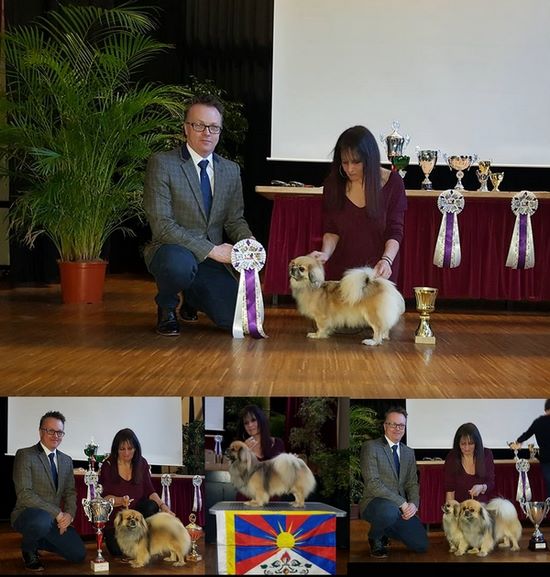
(245, 456)
(143, 522)
(118, 519)
(316, 274)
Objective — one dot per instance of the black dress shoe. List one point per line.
(32, 561)
(188, 314)
(377, 549)
(385, 540)
(167, 322)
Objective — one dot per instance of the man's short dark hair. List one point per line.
(547, 405)
(52, 415)
(206, 100)
(395, 409)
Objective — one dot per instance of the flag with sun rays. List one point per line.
(260, 542)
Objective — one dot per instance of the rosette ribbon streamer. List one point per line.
(166, 481)
(248, 258)
(447, 252)
(524, 487)
(521, 253)
(218, 448)
(197, 497)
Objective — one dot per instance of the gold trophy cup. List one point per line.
(496, 180)
(195, 532)
(425, 304)
(483, 174)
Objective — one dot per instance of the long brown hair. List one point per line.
(359, 141)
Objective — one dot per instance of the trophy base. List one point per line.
(193, 557)
(537, 545)
(99, 566)
(424, 340)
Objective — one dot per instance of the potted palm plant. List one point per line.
(79, 129)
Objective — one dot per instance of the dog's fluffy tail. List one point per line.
(360, 282)
(502, 508)
(292, 468)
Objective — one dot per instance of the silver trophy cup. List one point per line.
(98, 511)
(427, 159)
(536, 511)
(460, 163)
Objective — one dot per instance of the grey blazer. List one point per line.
(380, 475)
(34, 486)
(174, 208)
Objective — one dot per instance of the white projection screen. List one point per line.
(465, 78)
(157, 422)
(432, 423)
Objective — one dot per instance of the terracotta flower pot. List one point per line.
(82, 282)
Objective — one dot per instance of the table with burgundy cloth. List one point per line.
(432, 483)
(485, 228)
(181, 496)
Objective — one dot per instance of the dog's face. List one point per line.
(451, 509)
(306, 270)
(471, 511)
(130, 520)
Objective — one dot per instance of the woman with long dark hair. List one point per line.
(253, 429)
(469, 467)
(363, 209)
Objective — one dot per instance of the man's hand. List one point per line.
(64, 521)
(408, 510)
(221, 253)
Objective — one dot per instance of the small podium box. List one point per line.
(277, 538)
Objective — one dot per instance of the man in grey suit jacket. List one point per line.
(46, 497)
(391, 494)
(187, 251)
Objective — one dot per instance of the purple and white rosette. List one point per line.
(248, 257)
(197, 497)
(447, 252)
(524, 488)
(521, 253)
(166, 481)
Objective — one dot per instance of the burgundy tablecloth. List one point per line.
(432, 492)
(485, 227)
(181, 496)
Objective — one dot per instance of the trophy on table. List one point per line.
(536, 511)
(395, 144)
(427, 159)
(90, 450)
(496, 180)
(483, 173)
(425, 304)
(195, 531)
(97, 510)
(460, 163)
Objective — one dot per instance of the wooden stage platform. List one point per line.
(51, 349)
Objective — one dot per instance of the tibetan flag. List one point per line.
(260, 542)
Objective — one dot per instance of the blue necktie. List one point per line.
(395, 458)
(54, 468)
(205, 187)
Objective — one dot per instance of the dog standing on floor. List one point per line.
(359, 300)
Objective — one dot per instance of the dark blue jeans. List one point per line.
(385, 518)
(40, 531)
(208, 286)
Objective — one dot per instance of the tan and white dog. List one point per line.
(359, 300)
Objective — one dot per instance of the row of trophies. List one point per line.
(535, 511)
(99, 509)
(395, 145)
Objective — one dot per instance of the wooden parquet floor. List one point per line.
(47, 348)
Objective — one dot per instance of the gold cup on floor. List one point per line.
(195, 532)
(425, 304)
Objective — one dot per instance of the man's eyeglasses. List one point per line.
(54, 433)
(398, 426)
(200, 127)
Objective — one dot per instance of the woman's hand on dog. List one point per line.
(383, 269)
(319, 255)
